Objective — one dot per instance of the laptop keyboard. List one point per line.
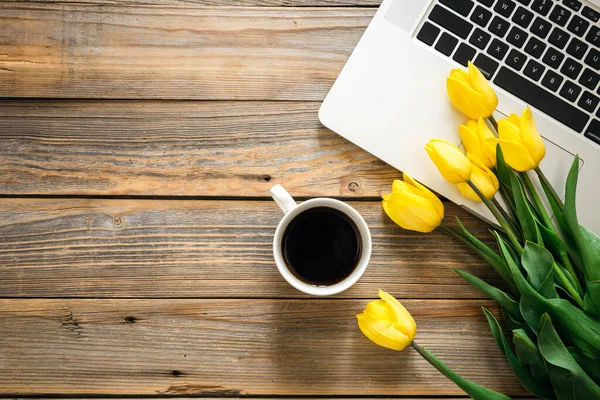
(546, 52)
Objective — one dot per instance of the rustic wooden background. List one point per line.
(139, 139)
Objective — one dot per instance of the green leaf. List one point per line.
(586, 241)
(489, 255)
(525, 214)
(568, 379)
(573, 324)
(472, 389)
(591, 300)
(591, 367)
(505, 300)
(503, 171)
(526, 348)
(515, 324)
(538, 263)
(523, 374)
(552, 241)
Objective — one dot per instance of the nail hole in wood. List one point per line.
(266, 178)
(130, 320)
(176, 373)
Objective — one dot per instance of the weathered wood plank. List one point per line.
(258, 53)
(174, 148)
(228, 347)
(215, 249)
(224, 3)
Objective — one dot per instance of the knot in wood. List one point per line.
(354, 186)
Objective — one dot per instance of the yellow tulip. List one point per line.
(452, 164)
(482, 178)
(413, 206)
(471, 93)
(479, 141)
(387, 323)
(521, 143)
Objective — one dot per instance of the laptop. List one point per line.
(390, 98)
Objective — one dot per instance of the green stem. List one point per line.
(470, 388)
(565, 281)
(566, 262)
(545, 180)
(493, 122)
(506, 216)
(536, 200)
(511, 235)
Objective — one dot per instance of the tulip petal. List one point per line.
(452, 164)
(470, 138)
(437, 203)
(509, 131)
(516, 155)
(467, 192)
(412, 212)
(382, 333)
(483, 178)
(466, 99)
(531, 138)
(378, 309)
(405, 321)
(482, 86)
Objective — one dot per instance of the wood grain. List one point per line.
(174, 148)
(234, 347)
(254, 53)
(212, 249)
(223, 3)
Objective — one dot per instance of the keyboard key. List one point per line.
(450, 21)
(462, 7)
(589, 79)
(480, 38)
(524, 2)
(590, 13)
(571, 68)
(593, 131)
(504, 7)
(534, 70)
(464, 54)
(486, 65)
(497, 49)
(577, 48)
(517, 36)
(540, 27)
(570, 91)
(499, 26)
(535, 47)
(560, 15)
(593, 59)
(573, 4)
(593, 36)
(541, 99)
(481, 16)
(516, 59)
(578, 25)
(428, 33)
(542, 6)
(552, 80)
(588, 101)
(553, 57)
(559, 38)
(446, 44)
(522, 17)
(487, 3)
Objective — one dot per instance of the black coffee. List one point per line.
(321, 246)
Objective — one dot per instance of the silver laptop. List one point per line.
(390, 98)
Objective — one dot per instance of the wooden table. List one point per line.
(139, 139)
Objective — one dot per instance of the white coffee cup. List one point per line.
(291, 210)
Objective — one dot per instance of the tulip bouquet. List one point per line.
(551, 270)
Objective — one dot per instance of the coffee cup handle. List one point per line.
(283, 199)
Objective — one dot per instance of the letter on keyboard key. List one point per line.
(588, 101)
(577, 48)
(560, 15)
(516, 59)
(540, 27)
(553, 57)
(499, 26)
(535, 47)
(593, 59)
(497, 49)
(450, 21)
(534, 70)
(480, 38)
(481, 16)
(570, 91)
(593, 131)
(552, 80)
(589, 79)
(522, 17)
(486, 65)
(578, 25)
(571, 68)
(559, 38)
(504, 7)
(541, 99)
